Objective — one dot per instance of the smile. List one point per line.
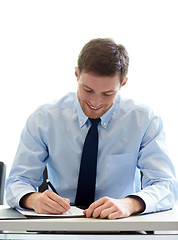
(94, 108)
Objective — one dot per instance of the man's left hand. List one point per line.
(114, 208)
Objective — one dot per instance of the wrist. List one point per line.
(137, 205)
(27, 200)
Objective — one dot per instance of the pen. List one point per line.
(54, 190)
(51, 186)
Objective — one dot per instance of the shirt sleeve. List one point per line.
(159, 183)
(27, 169)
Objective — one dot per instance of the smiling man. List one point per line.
(130, 141)
(97, 94)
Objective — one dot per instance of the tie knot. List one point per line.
(94, 122)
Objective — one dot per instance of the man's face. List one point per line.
(97, 94)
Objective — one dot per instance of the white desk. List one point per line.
(161, 221)
(85, 237)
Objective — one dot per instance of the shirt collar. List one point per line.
(81, 115)
(104, 119)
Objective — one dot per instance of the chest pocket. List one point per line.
(120, 171)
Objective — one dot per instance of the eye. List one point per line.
(88, 90)
(108, 94)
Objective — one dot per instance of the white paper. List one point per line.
(73, 212)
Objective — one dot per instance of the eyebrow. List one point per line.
(109, 91)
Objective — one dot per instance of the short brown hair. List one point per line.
(104, 57)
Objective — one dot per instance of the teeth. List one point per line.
(94, 107)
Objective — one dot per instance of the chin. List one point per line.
(93, 115)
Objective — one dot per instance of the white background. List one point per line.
(40, 41)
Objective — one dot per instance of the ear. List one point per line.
(76, 73)
(124, 82)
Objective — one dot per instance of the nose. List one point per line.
(95, 100)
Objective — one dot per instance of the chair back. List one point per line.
(2, 181)
(44, 185)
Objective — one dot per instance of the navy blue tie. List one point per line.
(87, 175)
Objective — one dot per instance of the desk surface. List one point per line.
(85, 237)
(161, 221)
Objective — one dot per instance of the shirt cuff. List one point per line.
(149, 203)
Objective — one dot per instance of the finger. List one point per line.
(46, 204)
(115, 215)
(84, 211)
(54, 207)
(47, 209)
(42, 205)
(105, 213)
(103, 210)
(55, 203)
(119, 213)
(95, 205)
(89, 212)
(67, 200)
(64, 202)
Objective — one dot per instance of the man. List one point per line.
(131, 139)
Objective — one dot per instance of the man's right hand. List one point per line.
(47, 202)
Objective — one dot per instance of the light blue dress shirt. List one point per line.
(131, 138)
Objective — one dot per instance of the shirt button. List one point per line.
(81, 122)
(105, 124)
